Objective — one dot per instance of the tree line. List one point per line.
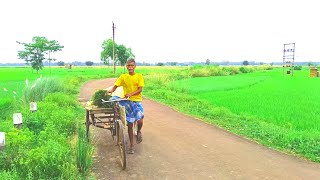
(40, 49)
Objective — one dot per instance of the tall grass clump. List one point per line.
(84, 151)
(41, 88)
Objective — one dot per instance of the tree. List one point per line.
(173, 63)
(107, 51)
(122, 54)
(60, 63)
(310, 64)
(53, 46)
(89, 63)
(35, 51)
(208, 62)
(245, 63)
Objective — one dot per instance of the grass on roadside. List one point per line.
(42, 149)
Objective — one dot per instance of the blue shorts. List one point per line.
(134, 110)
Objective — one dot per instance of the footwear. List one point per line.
(139, 137)
(130, 151)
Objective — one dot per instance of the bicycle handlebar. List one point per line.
(116, 100)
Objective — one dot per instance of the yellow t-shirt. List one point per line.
(130, 84)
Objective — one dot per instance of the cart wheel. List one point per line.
(121, 141)
(87, 124)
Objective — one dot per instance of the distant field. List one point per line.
(13, 78)
(291, 102)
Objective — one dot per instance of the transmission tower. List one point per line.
(288, 58)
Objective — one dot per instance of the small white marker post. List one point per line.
(33, 106)
(17, 120)
(2, 140)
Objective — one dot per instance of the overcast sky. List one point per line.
(166, 30)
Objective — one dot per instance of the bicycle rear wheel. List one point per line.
(121, 142)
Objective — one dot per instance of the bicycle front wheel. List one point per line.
(121, 142)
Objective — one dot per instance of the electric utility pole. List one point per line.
(114, 63)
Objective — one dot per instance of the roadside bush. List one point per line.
(12, 175)
(73, 84)
(18, 144)
(51, 159)
(55, 110)
(61, 99)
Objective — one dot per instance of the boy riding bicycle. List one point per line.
(132, 84)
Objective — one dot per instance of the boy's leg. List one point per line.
(140, 124)
(135, 128)
(130, 133)
(139, 135)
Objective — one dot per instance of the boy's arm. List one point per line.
(139, 90)
(111, 90)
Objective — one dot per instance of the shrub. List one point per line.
(61, 99)
(51, 159)
(17, 146)
(297, 67)
(246, 69)
(265, 67)
(12, 175)
(234, 70)
(54, 109)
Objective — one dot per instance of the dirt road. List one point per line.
(176, 146)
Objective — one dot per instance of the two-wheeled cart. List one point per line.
(112, 119)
